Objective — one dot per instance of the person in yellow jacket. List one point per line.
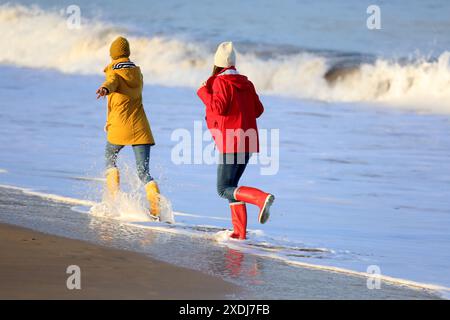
(126, 122)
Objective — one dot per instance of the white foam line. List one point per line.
(443, 291)
(50, 196)
(167, 229)
(198, 216)
(77, 209)
(3, 171)
(89, 179)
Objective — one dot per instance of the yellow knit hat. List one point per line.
(119, 48)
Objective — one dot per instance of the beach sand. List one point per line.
(33, 266)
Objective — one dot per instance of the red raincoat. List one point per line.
(232, 107)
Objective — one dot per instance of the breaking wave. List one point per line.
(42, 39)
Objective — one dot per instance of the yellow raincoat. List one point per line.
(126, 122)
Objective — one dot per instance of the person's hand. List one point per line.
(101, 92)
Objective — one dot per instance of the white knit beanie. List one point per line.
(225, 56)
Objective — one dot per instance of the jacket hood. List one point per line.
(128, 71)
(239, 81)
(131, 76)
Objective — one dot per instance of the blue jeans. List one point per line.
(229, 172)
(141, 154)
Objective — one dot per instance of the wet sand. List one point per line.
(33, 266)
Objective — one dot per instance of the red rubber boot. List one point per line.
(239, 220)
(257, 197)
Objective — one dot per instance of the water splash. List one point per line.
(130, 204)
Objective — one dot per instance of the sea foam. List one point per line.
(42, 39)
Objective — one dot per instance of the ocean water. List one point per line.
(363, 115)
(295, 50)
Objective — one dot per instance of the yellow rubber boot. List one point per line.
(153, 198)
(112, 181)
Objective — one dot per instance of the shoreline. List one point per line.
(34, 265)
(259, 276)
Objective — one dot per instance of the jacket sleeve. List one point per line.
(259, 108)
(112, 81)
(216, 97)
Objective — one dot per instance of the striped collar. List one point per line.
(124, 65)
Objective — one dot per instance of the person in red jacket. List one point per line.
(232, 107)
